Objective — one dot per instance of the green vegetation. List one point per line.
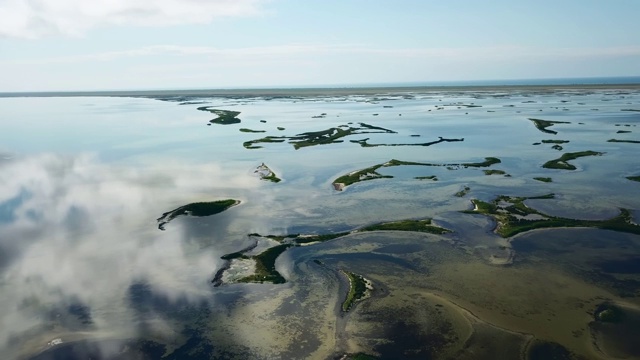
(364, 142)
(267, 174)
(371, 173)
(494, 172)
(623, 132)
(543, 179)
(624, 141)
(634, 178)
(280, 128)
(357, 289)
(196, 209)
(225, 117)
(251, 131)
(408, 225)
(542, 125)
(268, 139)
(561, 162)
(266, 266)
(555, 141)
(463, 192)
(430, 177)
(513, 217)
(608, 313)
(630, 110)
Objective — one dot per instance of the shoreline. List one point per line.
(315, 91)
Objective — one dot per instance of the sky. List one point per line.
(74, 45)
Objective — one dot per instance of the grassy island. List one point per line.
(513, 217)
(357, 289)
(542, 125)
(371, 172)
(251, 131)
(624, 141)
(430, 177)
(543, 179)
(463, 192)
(225, 117)
(634, 178)
(269, 139)
(494, 172)
(196, 209)
(266, 173)
(555, 141)
(424, 225)
(561, 162)
(266, 266)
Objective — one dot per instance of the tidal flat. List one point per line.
(378, 223)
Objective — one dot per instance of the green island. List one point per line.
(265, 270)
(543, 179)
(623, 131)
(624, 141)
(494, 172)
(251, 131)
(561, 162)
(463, 192)
(268, 139)
(555, 141)
(197, 209)
(542, 125)
(430, 177)
(357, 289)
(513, 216)
(364, 142)
(225, 117)
(424, 225)
(280, 128)
(634, 178)
(371, 173)
(266, 173)
(608, 312)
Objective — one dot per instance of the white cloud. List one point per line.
(40, 18)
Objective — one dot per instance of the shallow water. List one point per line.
(83, 180)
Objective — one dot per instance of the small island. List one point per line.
(561, 162)
(543, 179)
(358, 289)
(513, 216)
(225, 117)
(624, 141)
(542, 125)
(197, 209)
(266, 173)
(251, 130)
(634, 178)
(371, 173)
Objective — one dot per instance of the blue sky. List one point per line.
(143, 44)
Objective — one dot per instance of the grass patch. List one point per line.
(266, 266)
(357, 289)
(251, 131)
(371, 172)
(408, 225)
(511, 214)
(543, 179)
(430, 177)
(269, 139)
(624, 141)
(561, 162)
(196, 209)
(555, 141)
(225, 117)
(542, 125)
(463, 192)
(494, 172)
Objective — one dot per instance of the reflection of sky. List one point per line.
(77, 232)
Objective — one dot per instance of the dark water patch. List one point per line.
(544, 350)
(104, 350)
(630, 265)
(399, 248)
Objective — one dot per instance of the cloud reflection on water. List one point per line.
(78, 235)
